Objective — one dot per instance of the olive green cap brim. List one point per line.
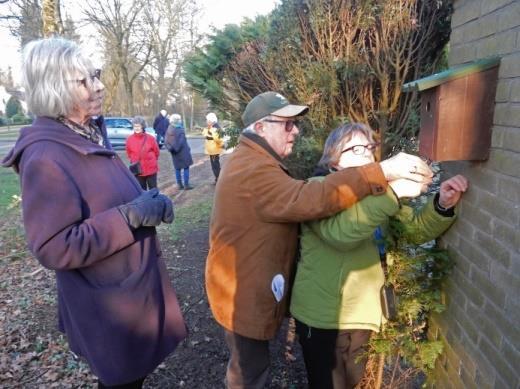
(271, 103)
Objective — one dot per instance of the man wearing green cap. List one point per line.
(254, 228)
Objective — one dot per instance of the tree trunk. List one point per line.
(386, 146)
(129, 92)
(51, 17)
(192, 109)
(181, 89)
(380, 367)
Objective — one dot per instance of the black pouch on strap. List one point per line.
(388, 302)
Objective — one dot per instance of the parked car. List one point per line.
(118, 130)
(151, 131)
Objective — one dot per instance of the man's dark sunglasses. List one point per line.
(289, 124)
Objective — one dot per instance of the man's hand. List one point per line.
(407, 188)
(451, 191)
(407, 166)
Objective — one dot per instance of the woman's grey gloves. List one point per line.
(147, 210)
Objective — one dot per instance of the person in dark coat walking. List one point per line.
(176, 143)
(87, 218)
(160, 125)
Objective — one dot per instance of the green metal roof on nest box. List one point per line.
(451, 74)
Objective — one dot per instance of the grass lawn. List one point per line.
(9, 186)
(190, 217)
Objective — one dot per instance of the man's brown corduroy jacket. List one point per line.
(254, 231)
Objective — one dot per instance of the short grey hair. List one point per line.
(336, 140)
(211, 117)
(139, 120)
(49, 65)
(251, 128)
(175, 118)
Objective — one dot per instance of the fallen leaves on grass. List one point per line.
(34, 354)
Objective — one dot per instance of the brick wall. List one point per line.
(481, 326)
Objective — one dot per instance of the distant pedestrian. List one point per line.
(160, 125)
(176, 143)
(141, 147)
(213, 144)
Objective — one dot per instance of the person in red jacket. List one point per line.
(143, 148)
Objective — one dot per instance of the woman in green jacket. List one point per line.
(335, 298)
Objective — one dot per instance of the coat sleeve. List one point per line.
(155, 147)
(130, 149)
(169, 139)
(207, 134)
(216, 137)
(345, 230)
(56, 232)
(155, 123)
(179, 141)
(425, 224)
(127, 149)
(279, 198)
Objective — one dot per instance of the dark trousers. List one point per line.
(248, 366)
(215, 165)
(330, 356)
(185, 175)
(160, 139)
(148, 182)
(138, 384)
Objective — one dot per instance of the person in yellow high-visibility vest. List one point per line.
(214, 144)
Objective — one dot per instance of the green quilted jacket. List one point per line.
(339, 274)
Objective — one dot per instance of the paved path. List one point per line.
(196, 145)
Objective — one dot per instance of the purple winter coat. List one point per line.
(115, 301)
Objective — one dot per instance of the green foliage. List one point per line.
(13, 107)
(417, 273)
(20, 118)
(305, 156)
(233, 133)
(204, 69)
(343, 58)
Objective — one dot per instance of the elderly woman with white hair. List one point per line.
(87, 218)
(213, 145)
(176, 143)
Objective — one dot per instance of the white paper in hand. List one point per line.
(277, 286)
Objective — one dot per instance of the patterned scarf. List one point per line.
(90, 132)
